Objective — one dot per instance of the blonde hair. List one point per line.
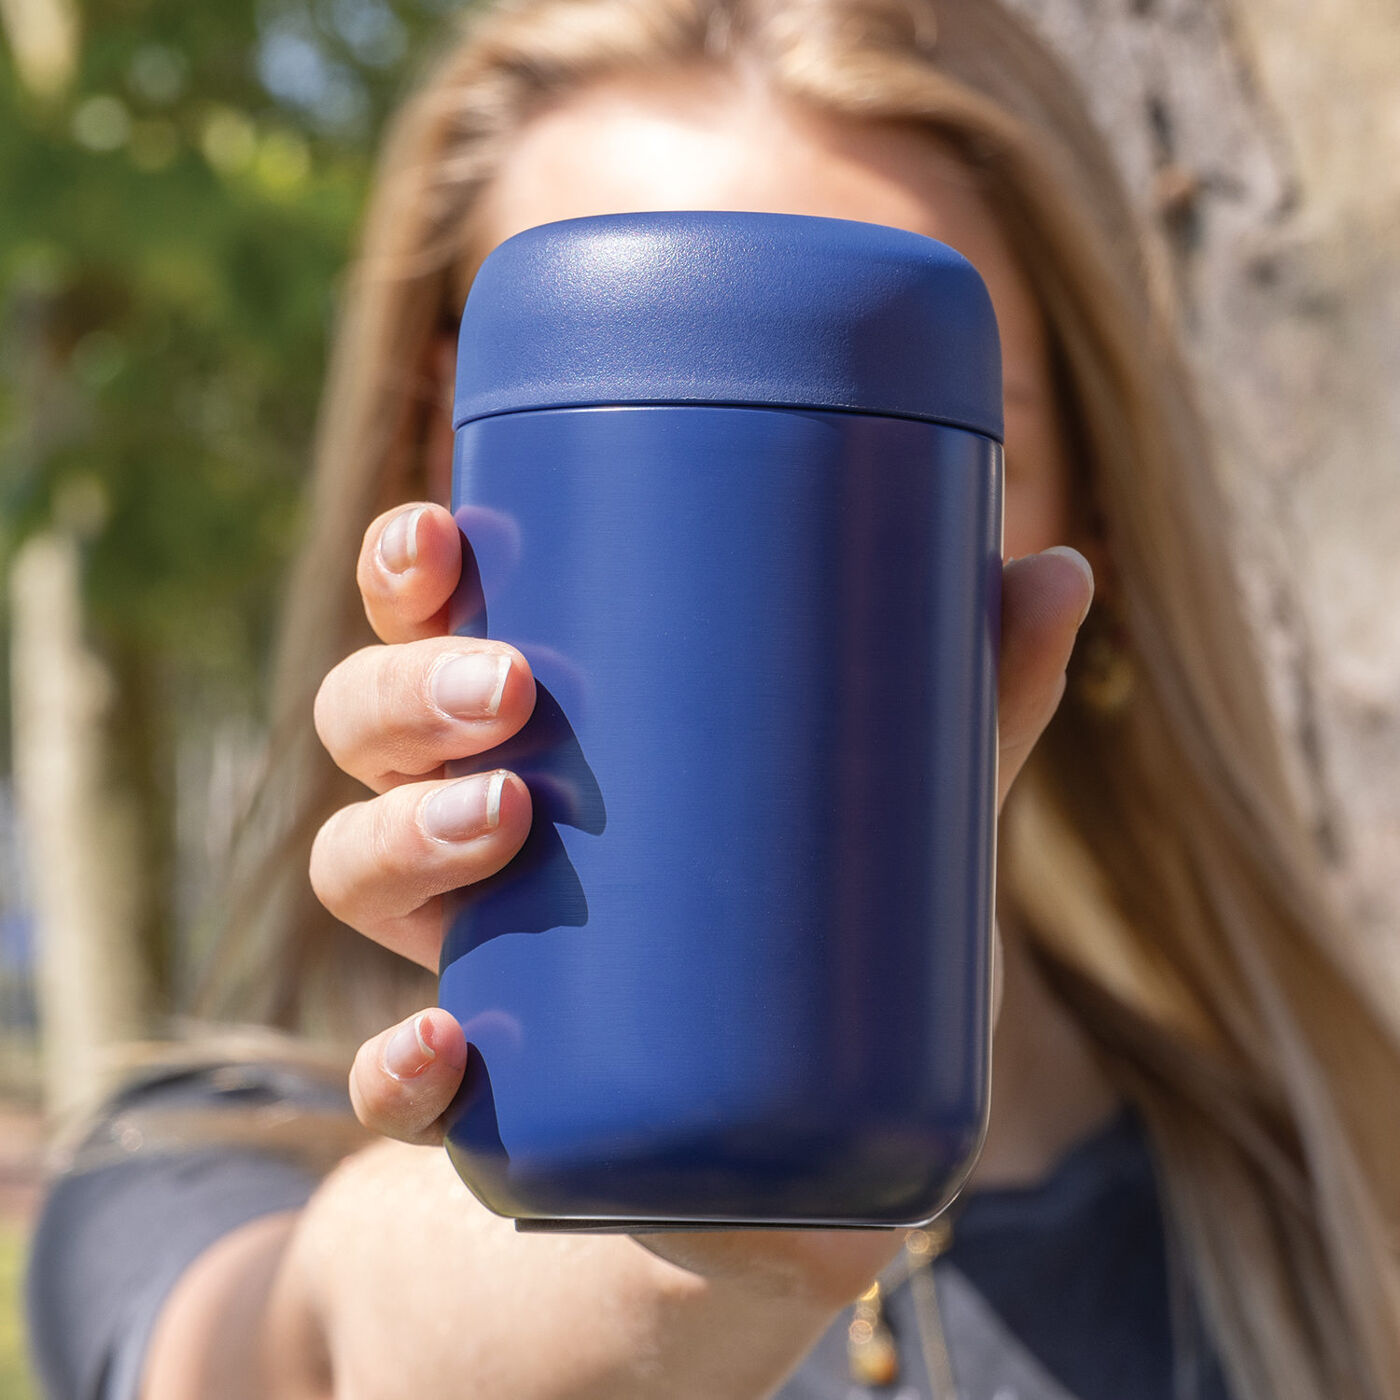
(1154, 860)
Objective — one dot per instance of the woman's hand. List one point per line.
(392, 715)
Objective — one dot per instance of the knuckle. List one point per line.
(334, 710)
(327, 882)
(408, 727)
(385, 681)
(387, 853)
(379, 710)
(409, 692)
(403, 863)
(362, 859)
(328, 703)
(372, 863)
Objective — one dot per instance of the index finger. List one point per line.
(410, 560)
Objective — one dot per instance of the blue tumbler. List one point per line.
(731, 482)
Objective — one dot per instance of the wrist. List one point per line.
(740, 1327)
(795, 1272)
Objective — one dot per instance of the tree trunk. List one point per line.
(1261, 138)
(81, 833)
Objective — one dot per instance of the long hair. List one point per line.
(1154, 859)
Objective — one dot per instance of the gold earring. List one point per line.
(1105, 675)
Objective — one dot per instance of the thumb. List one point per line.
(1045, 598)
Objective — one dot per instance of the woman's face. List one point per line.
(713, 142)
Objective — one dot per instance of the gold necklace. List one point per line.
(871, 1353)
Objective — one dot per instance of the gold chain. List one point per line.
(871, 1353)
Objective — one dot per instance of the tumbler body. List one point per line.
(739, 972)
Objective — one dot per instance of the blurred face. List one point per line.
(714, 142)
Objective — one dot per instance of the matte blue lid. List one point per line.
(700, 306)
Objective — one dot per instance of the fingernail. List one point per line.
(398, 543)
(406, 1053)
(468, 808)
(1080, 563)
(471, 685)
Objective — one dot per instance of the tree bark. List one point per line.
(1261, 141)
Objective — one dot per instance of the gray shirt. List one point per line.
(1055, 1292)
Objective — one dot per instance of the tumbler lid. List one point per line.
(719, 307)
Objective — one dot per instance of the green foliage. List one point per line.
(171, 233)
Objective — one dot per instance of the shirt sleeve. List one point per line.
(112, 1241)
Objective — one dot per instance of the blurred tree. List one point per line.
(1262, 141)
(177, 195)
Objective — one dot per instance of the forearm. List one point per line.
(479, 1309)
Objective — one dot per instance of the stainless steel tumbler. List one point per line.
(732, 483)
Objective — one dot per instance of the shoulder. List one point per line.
(173, 1162)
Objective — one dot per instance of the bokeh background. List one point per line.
(179, 185)
(179, 189)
